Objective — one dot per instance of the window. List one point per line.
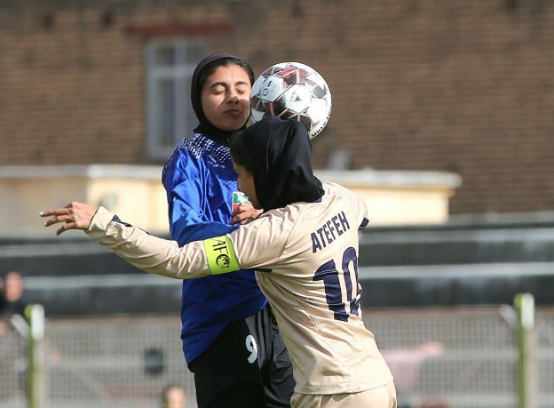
(170, 117)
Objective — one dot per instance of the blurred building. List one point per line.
(457, 87)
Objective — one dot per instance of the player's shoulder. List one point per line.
(200, 146)
(332, 186)
(335, 195)
(196, 151)
(340, 197)
(277, 215)
(281, 221)
(337, 191)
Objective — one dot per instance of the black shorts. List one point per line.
(246, 367)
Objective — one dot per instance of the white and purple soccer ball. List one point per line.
(292, 90)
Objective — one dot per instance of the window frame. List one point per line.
(180, 72)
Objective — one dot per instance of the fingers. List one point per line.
(66, 227)
(75, 215)
(59, 210)
(69, 222)
(239, 209)
(241, 213)
(58, 219)
(57, 214)
(241, 220)
(244, 214)
(237, 218)
(55, 211)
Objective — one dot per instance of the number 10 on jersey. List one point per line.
(330, 275)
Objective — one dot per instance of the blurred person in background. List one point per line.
(11, 298)
(174, 396)
(406, 363)
(433, 402)
(12, 310)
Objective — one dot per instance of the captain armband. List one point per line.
(221, 255)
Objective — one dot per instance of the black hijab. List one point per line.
(280, 154)
(205, 126)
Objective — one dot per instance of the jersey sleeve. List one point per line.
(257, 244)
(147, 252)
(362, 211)
(261, 243)
(183, 180)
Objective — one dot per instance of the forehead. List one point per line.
(229, 74)
(12, 278)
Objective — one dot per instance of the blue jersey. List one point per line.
(201, 184)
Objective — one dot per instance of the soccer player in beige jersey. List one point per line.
(304, 251)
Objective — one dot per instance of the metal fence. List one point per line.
(545, 358)
(12, 366)
(466, 357)
(120, 362)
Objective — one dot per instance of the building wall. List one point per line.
(463, 87)
(135, 194)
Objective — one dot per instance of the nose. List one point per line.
(233, 96)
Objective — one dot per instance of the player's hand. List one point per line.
(244, 214)
(75, 215)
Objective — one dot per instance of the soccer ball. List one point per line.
(291, 90)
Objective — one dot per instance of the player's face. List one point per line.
(226, 98)
(246, 185)
(175, 398)
(13, 287)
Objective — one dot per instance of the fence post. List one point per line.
(525, 309)
(35, 387)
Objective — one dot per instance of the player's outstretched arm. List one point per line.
(144, 251)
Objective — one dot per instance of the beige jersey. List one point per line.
(306, 257)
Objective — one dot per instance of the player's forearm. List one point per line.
(147, 252)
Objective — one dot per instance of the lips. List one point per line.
(234, 112)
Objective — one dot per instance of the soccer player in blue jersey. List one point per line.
(230, 337)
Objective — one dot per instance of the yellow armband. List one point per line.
(221, 255)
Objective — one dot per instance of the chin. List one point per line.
(234, 125)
